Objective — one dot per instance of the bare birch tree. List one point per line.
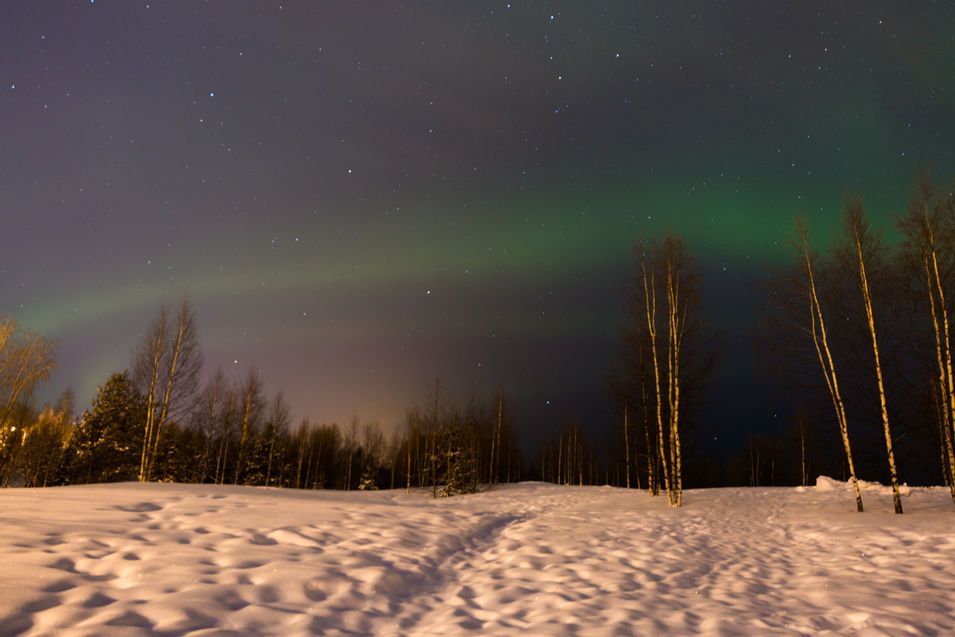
(928, 250)
(626, 439)
(860, 249)
(674, 260)
(166, 369)
(26, 358)
(650, 306)
(666, 288)
(820, 340)
(251, 404)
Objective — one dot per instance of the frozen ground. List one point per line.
(530, 559)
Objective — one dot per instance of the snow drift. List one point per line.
(824, 483)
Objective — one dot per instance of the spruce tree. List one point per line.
(107, 445)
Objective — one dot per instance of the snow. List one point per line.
(824, 483)
(530, 559)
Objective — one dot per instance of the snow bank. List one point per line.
(532, 559)
(826, 484)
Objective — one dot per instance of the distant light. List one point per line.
(212, 94)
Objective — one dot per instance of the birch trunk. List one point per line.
(651, 458)
(154, 359)
(408, 475)
(803, 473)
(182, 328)
(676, 323)
(821, 342)
(867, 299)
(560, 458)
(626, 439)
(649, 293)
(944, 378)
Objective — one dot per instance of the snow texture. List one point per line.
(530, 559)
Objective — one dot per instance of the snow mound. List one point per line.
(826, 484)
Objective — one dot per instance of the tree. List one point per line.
(166, 369)
(648, 280)
(458, 444)
(861, 247)
(412, 427)
(433, 416)
(667, 288)
(273, 438)
(820, 341)
(928, 251)
(802, 429)
(212, 422)
(372, 454)
(349, 448)
(500, 430)
(251, 405)
(26, 358)
(107, 443)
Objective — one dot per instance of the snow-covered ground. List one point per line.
(530, 559)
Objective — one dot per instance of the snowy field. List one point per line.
(529, 559)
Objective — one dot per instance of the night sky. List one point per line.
(360, 196)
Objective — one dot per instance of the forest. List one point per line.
(858, 332)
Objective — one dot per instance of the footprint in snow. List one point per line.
(139, 507)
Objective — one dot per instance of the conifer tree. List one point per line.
(107, 442)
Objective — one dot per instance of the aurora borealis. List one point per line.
(360, 196)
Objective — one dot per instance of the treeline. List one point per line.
(860, 334)
(160, 422)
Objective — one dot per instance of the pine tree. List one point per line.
(367, 481)
(457, 449)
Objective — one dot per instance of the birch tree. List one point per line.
(674, 260)
(665, 296)
(166, 369)
(860, 249)
(626, 439)
(648, 280)
(820, 340)
(928, 249)
(251, 405)
(26, 358)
